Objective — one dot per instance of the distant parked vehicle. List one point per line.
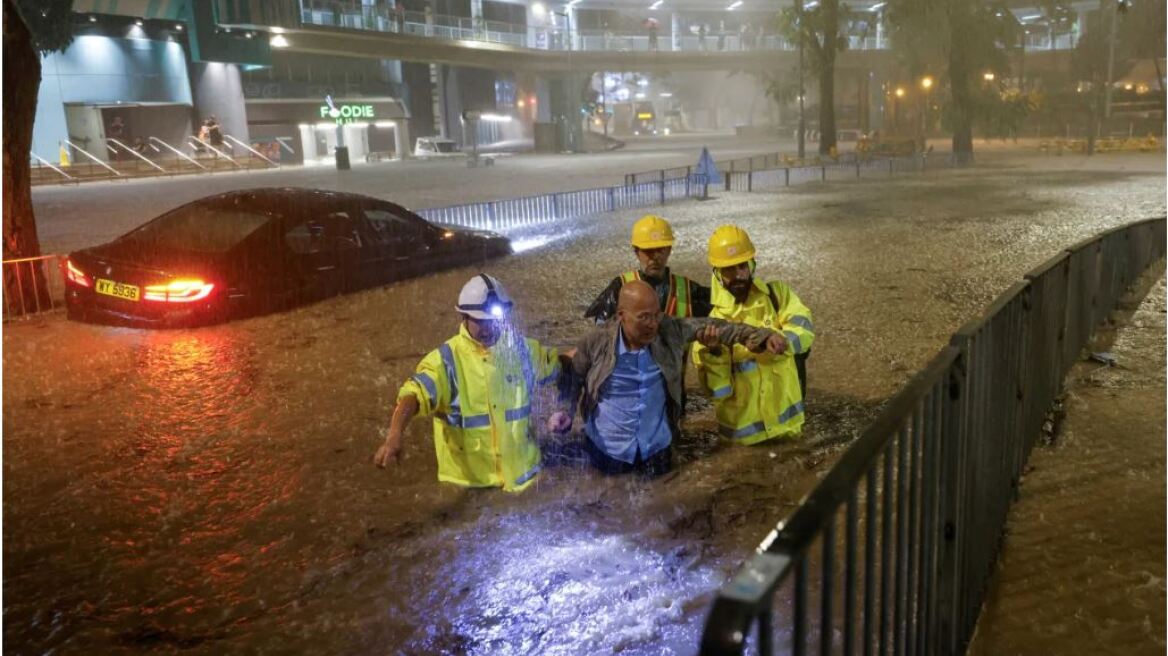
(259, 250)
(436, 148)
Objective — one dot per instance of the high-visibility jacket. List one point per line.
(756, 395)
(678, 303)
(480, 399)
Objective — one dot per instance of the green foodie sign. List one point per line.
(347, 113)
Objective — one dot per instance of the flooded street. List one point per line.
(212, 490)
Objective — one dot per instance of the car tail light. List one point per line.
(75, 274)
(179, 291)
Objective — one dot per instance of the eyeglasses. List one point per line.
(648, 317)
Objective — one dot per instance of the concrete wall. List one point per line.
(101, 70)
(218, 92)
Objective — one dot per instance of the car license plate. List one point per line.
(117, 289)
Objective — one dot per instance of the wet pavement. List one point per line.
(211, 490)
(1082, 568)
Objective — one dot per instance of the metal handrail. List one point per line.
(217, 151)
(176, 151)
(137, 154)
(935, 473)
(91, 157)
(46, 163)
(251, 150)
(23, 278)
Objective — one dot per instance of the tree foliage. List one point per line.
(958, 41)
(823, 39)
(49, 23)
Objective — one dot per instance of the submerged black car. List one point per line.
(260, 250)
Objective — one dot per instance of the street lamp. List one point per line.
(896, 109)
(927, 85)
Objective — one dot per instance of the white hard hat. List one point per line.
(483, 297)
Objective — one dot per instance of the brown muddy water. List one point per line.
(1082, 567)
(211, 490)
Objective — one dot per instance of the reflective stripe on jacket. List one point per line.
(756, 395)
(678, 303)
(480, 399)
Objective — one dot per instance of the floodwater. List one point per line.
(1092, 510)
(211, 490)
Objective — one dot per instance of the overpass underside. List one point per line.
(477, 54)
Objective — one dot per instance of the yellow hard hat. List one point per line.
(730, 245)
(652, 231)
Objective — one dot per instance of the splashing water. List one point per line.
(540, 587)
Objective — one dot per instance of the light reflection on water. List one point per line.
(544, 587)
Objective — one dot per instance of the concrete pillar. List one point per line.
(401, 138)
(357, 140)
(880, 30)
(217, 91)
(437, 95)
(308, 141)
(573, 28)
(476, 16)
(674, 31)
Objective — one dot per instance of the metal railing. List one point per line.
(32, 285)
(894, 549)
(772, 179)
(133, 162)
(749, 163)
(514, 213)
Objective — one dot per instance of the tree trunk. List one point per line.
(962, 107)
(25, 286)
(827, 131)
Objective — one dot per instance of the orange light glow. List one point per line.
(179, 291)
(75, 274)
(521, 103)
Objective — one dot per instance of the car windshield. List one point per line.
(200, 227)
(444, 146)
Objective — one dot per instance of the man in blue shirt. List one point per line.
(631, 371)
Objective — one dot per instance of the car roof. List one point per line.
(264, 199)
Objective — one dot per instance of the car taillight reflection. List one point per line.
(76, 275)
(179, 291)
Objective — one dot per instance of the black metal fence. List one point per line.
(772, 179)
(510, 213)
(894, 549)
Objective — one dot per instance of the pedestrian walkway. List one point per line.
(1082, 569)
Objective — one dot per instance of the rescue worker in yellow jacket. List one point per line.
(479, 387)
(757, 396)
(679, 296)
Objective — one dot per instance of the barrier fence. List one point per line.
(531, 210)
(771, 179)
(22, 294)
(894, 549)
